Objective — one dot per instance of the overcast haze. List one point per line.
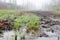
(36, 4)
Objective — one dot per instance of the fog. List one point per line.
(43, 5)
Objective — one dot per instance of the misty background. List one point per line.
(34, 5)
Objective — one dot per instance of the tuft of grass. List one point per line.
(30, 20)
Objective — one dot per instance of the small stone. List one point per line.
(52, 31)
(56, 28)
(46, 21)
(43, 35)
(42, 22)
(45, 25)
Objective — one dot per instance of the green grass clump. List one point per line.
(30, 20)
